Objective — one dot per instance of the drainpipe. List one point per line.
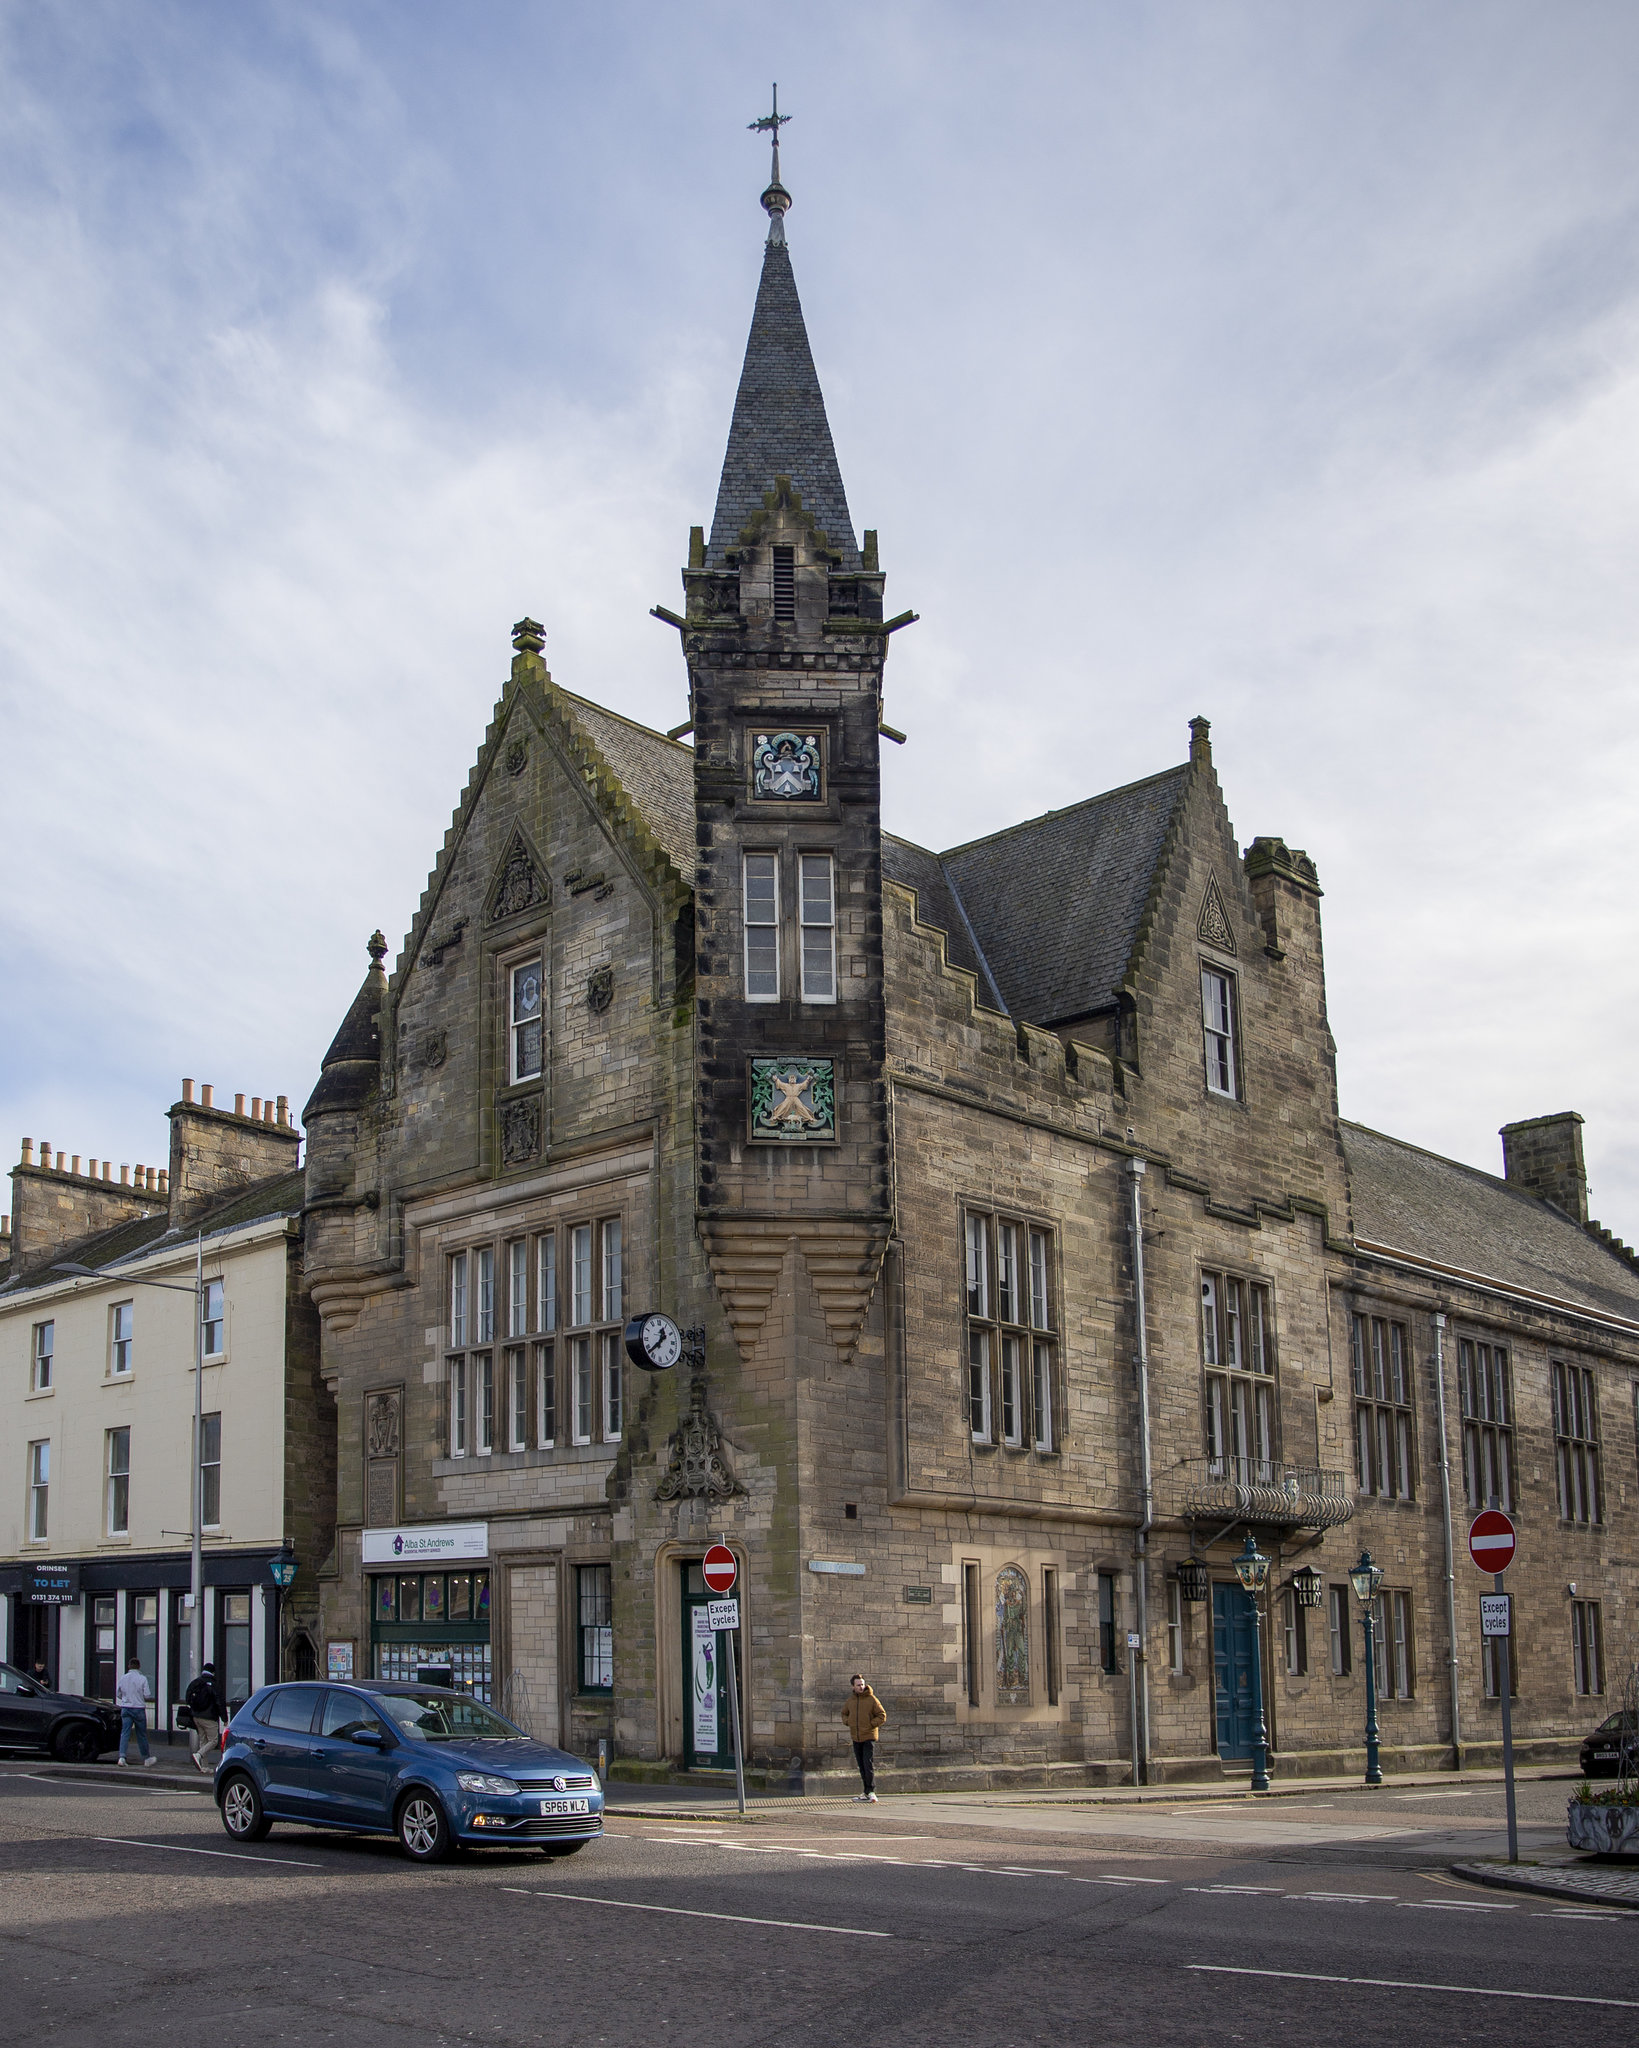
(1146, 1491)
(1445, 1505)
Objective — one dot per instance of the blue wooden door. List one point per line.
(1232, 1654)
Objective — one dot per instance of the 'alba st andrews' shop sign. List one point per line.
(427, 1543)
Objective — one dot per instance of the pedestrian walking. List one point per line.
(202, 1701)
(865, 1716)
(132, 1696)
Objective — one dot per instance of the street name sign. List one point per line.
(1491, 1540)
(1495, 1619)
(719, 1569)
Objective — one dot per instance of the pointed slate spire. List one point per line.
(779, 426)
(352, 1066)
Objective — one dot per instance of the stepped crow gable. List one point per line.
(681, 1027)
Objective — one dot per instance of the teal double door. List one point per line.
(1234, 1658)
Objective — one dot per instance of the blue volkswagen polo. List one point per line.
(433, 1767)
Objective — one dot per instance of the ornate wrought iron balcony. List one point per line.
(1264, 1490)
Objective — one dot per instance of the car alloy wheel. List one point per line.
(242, 1813)
(423, 1832)
(75, 1744)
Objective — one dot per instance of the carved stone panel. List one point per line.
(383, 1456)
(698, 1466)
(520, 885)
(1214, 926)
(520, 1130)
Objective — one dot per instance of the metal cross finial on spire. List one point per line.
(776, 199)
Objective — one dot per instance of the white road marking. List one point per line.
(1239, 1889)
(1348, 1898)
(690, 1913)
(180, 1849)
(1460, 1905)
(1431, 1795)
(1404, 1984)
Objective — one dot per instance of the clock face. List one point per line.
(654, 1342)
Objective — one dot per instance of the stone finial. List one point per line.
(529, 636)
(376, 948)
(1200, 743)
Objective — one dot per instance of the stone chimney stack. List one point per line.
(54, 1206)
(1544, 1155)
(216, 1153)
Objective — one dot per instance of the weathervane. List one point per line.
(776, 199)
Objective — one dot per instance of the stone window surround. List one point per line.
(1229, 1046)
(1023, 1330)
(609, 1246)
(1373, 1410)
(787, 923)
(1216, 1282)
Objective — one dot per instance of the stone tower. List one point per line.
(785, 640)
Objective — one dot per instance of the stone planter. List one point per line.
(1602, 1830)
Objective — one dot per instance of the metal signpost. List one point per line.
(719, 1568)
(1491, 1545)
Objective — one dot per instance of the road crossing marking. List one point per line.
(182, 1849)
(693, 1913)
(1404, 1984)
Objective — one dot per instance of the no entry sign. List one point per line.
(1491, 1541)
(719, 1570)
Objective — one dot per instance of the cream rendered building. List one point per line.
(97, 1411)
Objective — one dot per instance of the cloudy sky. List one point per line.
(1270, 361)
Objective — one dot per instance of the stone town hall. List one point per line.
(1032, 1264)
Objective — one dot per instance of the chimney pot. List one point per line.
(28, 1151)
(45, 1152)
(284, 1109)
(187, 1089)
(238, 1105)
(125, 1173)
(255, 1108)
(152, 1180)
(164, 1180)
(75, 1168)
(206, 1091)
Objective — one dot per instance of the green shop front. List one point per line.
(428, 1599)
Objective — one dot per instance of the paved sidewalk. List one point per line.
(1592, 1882)
(683, 1802)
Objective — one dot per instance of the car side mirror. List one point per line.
(28, 1692)
(368, 1738)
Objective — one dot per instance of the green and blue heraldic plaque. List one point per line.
(794, 1101)
(785, 767)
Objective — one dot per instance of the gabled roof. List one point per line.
(656, 773)
(282, 1195)
(1435, 1209)
(913, 867)
(779, 426)
(1055, 904)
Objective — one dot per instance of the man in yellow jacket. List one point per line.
(866, 1716)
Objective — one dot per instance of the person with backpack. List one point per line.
(206, 1708)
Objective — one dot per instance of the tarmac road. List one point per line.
(128, 1916)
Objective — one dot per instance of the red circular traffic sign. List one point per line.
(1491, 1540)
(719, 1569)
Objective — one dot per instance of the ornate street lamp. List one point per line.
(1365, 1578)
(1192, 1580)
(1308, 1586)
(1252, 1569)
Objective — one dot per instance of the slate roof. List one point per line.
(283, 1195)
(656, 773)
(1414, 1201)
(915, 868)
(779, 426)
(1055, 903)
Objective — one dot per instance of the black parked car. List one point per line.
(72, 1729)
(1602, 1751)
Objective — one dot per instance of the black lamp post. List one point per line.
(1252, 1569)
(1365, 1578)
